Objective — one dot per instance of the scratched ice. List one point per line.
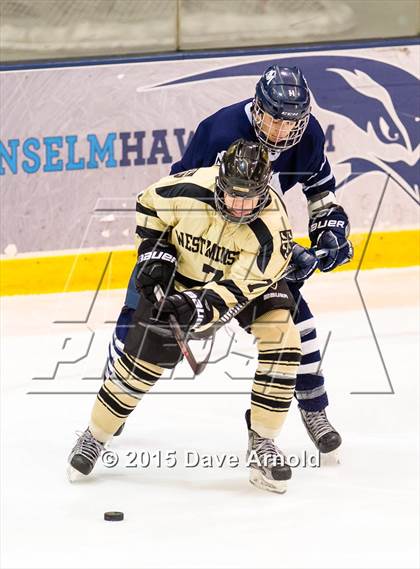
(361, 513)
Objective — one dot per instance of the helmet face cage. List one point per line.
(244, 173)
(227, 214)
(270, 133)
(281, 107)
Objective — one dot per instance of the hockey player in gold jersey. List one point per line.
(212, 239)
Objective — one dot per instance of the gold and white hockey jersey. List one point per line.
(232, 263)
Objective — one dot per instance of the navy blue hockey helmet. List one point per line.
(244, 173)
(281, 107)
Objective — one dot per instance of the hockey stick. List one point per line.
(181, 339)
(232, 312)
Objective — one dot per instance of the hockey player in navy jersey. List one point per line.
(280, 117)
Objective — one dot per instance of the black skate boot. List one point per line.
(268, 467)
(84, 455)
(322, 433)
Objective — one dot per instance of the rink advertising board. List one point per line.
(79, 142)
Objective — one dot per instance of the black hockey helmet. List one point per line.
(281, 94)
(244, 172)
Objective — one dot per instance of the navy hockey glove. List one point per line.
(156, 265)
(329, 229)
(303, 264)
(188, 307)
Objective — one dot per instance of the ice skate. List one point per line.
(84, 455)
(326, 439)
(268, 467)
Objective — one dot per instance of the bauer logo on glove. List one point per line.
(329, 229)
(323, 224)
(156, 265)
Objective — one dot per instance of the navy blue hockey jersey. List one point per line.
(305, 162)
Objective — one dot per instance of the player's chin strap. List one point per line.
(182, 339)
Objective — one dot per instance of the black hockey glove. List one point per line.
(329, 229)
(156, 265)
(190, 309)
(303, 264)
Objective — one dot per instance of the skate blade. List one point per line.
(74, 475)
(260, 481)
(330, 458)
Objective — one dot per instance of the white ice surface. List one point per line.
(361, 513)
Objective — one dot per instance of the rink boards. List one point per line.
(80, 140)
(111, 269)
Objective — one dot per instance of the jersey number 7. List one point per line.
(218, 274)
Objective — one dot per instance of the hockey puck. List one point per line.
(113, 516)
